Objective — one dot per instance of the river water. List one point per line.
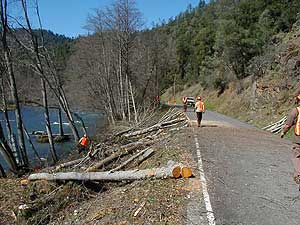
(33, 119)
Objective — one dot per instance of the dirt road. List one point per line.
(247, 172)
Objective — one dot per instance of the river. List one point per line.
(33, 119)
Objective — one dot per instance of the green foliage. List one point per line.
(216, 42)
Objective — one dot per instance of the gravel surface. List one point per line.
(249, 172)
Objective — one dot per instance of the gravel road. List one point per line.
(248, 173)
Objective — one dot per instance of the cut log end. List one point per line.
(24, 182)
(176, 172)
(186, 172)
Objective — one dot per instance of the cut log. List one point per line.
(63, 165)
(131, 159)
(24, 182)
(186, 172)
(146, 155)
(123, 132)
(176, 171)
(155, 127)
(158, 173)
(32, 146)
(126, 149)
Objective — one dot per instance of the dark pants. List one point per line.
(199, 118)
(81, 148)
(296, 159)
(184, 107)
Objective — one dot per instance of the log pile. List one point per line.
(276, 127)
(104, 161)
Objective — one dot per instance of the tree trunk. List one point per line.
(67, 164)
(82, 123)
(158, 126)
(133, 103)
(2, 172)
(10, 135)
(61, 130)
(149, 152)
(121, 83)
(32, 146)
(13, 86)
(57, 88)
(7, 153)
(158, 173)
(71, 122)
(47, 122)
(127, 149)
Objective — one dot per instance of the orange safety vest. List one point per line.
(297, 125)
(184, 100)
(84, 141)
(200, 106)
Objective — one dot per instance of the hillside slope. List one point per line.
(267, 94)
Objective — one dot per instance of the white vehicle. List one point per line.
(191, 101)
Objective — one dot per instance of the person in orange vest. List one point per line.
(293, 119)
(83, 143)
(199, 108)
(184, 102)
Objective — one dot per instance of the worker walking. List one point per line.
(293, 119)
(184, 102)
(83, 143)
(199, 108)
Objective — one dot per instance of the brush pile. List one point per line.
(276, 127)
(129, 147)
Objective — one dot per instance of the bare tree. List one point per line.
(116, 28)
(7, 153)
(39, 66)
(44, 66)
(8, 61)
(10, 134)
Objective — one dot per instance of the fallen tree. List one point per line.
(142, 156)
(123, 151)
(158, 173)
(158, 126)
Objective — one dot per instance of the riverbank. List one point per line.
(136, 202)
(33, 119)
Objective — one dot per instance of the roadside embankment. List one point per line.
(147, 201)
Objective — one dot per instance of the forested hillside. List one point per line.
(59, 46)
(216, 42)
(243, 55)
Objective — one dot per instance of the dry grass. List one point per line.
(140, 202)
(153, 201)
(12, 194)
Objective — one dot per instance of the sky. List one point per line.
(68, 17)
